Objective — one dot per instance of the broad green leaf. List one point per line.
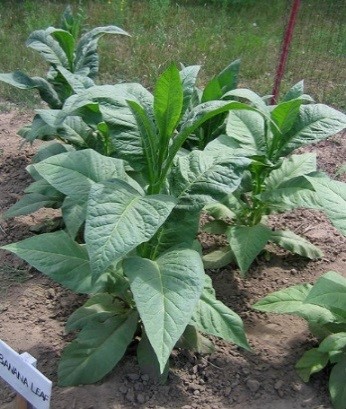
(291, 167)
(247, 242)
(287, 301)
(32, 202)
(166, 292)
(59, 257)
(188, 76)
(218, 258)
(193, 341)
(73, 173)
(245, 130)
(98, 308)
(202, 177)
(334, 342)
(50, 49)
(329, 291)
(49, 149)
(219, 211)
(296, 244)
(315, 123)
(212, 317)
(252, 97)
(22, 81)
(74, 214)
(284, 116)
(179, 229)
(293, 300)
(86, 59)
(168, 102)
(216, 227)
(337, 384)
(295, 92)
(311, 362)
(66, 42)
(119, 219)
(148, 361)
(332, 199)
(98, 348)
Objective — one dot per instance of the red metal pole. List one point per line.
(285, 49)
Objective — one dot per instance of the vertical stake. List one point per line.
(285, 49)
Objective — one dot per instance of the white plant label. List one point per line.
(24, 378)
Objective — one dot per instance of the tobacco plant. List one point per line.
(131, 222)
(323, 305)
(73, 65)
(278, 179)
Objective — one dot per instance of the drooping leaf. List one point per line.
(73, 173)
(32, 202)
(315, 123)
(335, 342)
(311, 362)
(218, 258)
(98, 308)
(245, 129)
(329, 291)
(291, 167)
(332, 199)
(247, 242)
(296, 244)
(337, 384)
(98, 348)
(59, 257)
(119, 218)
(201, 177)
(86, 59)
(50, 49)
(213, 317)
(166, 292)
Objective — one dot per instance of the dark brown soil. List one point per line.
(33, 311)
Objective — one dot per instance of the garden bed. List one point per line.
(33, 311)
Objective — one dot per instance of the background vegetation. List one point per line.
(210, 33)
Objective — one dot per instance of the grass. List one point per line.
(191, 32)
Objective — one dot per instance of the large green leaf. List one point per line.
(315, 123)
(213, 317)
(86, 59)
(329, 291)
(188, 76)
(50, 49)
(245, 130)
(284, 116)
(203, 177)
(166, 292)
(335, 342)
(337, 384)
(168, 102)
(66, 42)
(119, 219)
(59, 257)
(291, 167)
(31, 202)
(311, 362)
(73, 173)
(332, 199)
(293, 300)
(98, 348)
(180, 228)
(247, 242)
(98, 308)
(296, 244)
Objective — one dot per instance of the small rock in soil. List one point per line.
(253, 385)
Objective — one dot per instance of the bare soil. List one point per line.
(33, 311)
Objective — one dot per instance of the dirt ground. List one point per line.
(33, 311)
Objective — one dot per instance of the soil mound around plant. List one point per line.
(33, 311)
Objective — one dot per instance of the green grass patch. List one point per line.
(191, 32)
